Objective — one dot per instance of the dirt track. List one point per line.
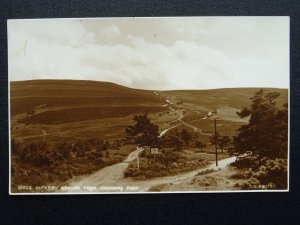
(111, 178)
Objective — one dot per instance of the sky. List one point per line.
(153, 53)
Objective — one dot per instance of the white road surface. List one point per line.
(111, 178)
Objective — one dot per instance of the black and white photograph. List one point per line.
(149, 105)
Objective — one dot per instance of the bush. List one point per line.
(273, 173)
(42, 163)
(251, 184)
(269, 174)
(244, 162)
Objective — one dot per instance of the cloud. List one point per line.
(65, 49)
(110, 31)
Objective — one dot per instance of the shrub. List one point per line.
(273, 173)
(251, 184)
(269, 174)
(244, 162)
(244, 174)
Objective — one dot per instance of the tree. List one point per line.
(266, 132)
(143, 132)
(174, 139)
(200, 144)
(213, 139)
(186, 136)
(282, 117)
(222, 142)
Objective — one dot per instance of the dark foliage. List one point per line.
(200, 144)
(266, 132)
(41, 163)
(174, 139)
(269, 174)
(223, 142)
(143, 132)
(262, 143)
(186, 136)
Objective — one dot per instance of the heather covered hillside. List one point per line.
(54, 98)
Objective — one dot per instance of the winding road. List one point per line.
(111, 178)
(179, 119)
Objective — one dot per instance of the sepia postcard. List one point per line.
(148, 105)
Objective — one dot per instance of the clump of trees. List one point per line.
(179, 138)
(223, 142)
(200, 144)
(263, 142)
(186, 136)
(266, 133)
(145, 133)
(175, 140)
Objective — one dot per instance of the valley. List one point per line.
(72, 112)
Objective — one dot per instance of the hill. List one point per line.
(226, 102)
(73, 109)
(59, 101)
(216, 98)
(62, 129)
